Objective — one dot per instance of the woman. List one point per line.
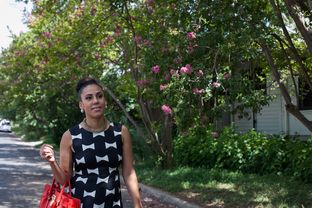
(92, 151)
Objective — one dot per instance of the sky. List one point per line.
(11, 15)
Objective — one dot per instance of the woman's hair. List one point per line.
(82, 83)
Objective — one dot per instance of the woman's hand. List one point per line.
(47, 153)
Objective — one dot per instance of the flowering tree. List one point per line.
(174, 65)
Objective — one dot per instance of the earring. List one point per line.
(81, 110)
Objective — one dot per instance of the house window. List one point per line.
(305, 95)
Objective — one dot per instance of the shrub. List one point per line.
(251, 152)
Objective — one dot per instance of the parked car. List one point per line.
(5, 125)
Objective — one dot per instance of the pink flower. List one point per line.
(215, 84)
(162, 87)
(191, 35)
(47, 34)
(147, 43)
(138, 39)
(97, 56)
(156, 69)
(198, 91)
(167, 76)
(187, 69)
(117, 30)
(226, 75)
(142, 83)
(200, 73)
(190, 49)
(166, 109)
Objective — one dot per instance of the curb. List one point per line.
(167, 197)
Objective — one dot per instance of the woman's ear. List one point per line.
(81, 106)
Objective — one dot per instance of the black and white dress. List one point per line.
(96, 158)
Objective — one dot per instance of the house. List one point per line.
(273, 118)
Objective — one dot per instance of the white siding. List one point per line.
(269, 120)
(243, 124)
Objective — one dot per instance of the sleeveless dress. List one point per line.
(96, 158)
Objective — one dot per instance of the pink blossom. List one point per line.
(162, 87)
(191, 35)
(138, 39)
(47, 34)
(187, 69)
(147, 43)
(142, 83)
(190, 49)
(167, 76)
(166, 109)
(200, 73)
(117, 30)
(198, 91)
(106, 41)
(215, 84)
(226, 75)
(97, 56)
(156, 69)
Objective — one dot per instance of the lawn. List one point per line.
(221, 188)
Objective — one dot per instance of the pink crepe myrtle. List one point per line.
(162, 87)
(215, 84)
(167, 76)
(187, 69)
(198, 91)
(226, 75)
(200, 73)
(156, 69)
(191, 35)
(137, 39)
(190, 49)
(47, 34)
(166, 109)
(117, 30)
(142, 83)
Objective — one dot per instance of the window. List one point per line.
(305, 95)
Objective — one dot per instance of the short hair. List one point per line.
(84, 82)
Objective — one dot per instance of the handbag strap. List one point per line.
(58, 198)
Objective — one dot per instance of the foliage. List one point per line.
(173, 65)
(251, 152)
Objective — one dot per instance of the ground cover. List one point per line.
(222, 188)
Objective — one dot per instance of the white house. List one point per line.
(274, 119)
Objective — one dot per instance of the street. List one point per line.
(23, 174)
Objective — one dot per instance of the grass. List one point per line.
(221, 188)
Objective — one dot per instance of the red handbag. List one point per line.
(54, 196)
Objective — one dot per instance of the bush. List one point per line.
(251, 152)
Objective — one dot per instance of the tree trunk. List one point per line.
(291, 7)
(290, 107)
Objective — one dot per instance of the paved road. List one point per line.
(23, 175)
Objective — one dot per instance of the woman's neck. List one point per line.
(99, 124)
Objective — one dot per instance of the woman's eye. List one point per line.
(100, 96)
(88, 98)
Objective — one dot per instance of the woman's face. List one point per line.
(92, 101)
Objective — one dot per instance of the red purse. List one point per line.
(54, 196)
